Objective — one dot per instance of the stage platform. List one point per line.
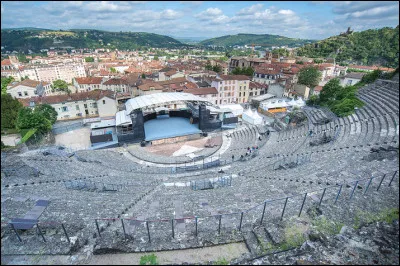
(162, 128)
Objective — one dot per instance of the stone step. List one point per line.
(252, 243)
(274, 232)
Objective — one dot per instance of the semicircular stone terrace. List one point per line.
(108, 185)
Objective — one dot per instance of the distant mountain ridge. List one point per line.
(264, 40)
(369, 47)
(35, 39)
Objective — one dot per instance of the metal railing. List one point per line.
(336, 191)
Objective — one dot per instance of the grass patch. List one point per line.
(221, 261)
(294, 237)
(326, 226)
(387, 215)
(148, 260)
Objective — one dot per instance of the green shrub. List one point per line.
(294, 237)
(221, 261)
(148, 260)
(386, 215)
(326, 226)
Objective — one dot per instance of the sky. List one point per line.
(306, 20)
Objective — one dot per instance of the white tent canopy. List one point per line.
(122, 118)
(164, 98)
(236, 109)
(252, 117)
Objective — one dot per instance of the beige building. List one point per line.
(50, 73)
(231, 88)
(78, 105)
(29, 88)
(87, 83)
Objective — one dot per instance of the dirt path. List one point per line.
(190, 256)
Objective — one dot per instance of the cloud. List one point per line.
(249, 10)
(195, 3)
(213, 16)
(286, 12)
(209, 13)
(190, 18)
(170, 14)
(346, 7)
(107, 6)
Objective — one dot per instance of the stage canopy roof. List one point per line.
(155, 99)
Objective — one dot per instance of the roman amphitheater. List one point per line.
(121, 200)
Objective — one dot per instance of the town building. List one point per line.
(29, 88)
(97, 103)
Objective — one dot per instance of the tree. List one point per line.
(156, 58)
(47, 111)
(113, 70)
(4, 83)
(27, 119)
(208, 65)
(89, 59)
(217, 68)
(60, 85)
(143, 76)
(9, 111)
(309, 76)
(248, 71)
(329, 91)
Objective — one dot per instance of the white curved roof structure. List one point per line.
(155, 99)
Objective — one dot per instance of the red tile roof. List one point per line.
(318, 88)
(73, 97)
(89, 80)
(30, 83)
(254, 84)
(6, 62)
(115, 81)
(202, 91)
(234, 77)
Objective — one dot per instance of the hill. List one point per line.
(35, 39)
(370, 47)
(265, 40)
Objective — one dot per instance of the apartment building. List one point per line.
(29, 88)
(87, 83)
(231, 88)
(78, 105)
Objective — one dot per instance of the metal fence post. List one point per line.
(354, 188)
(219, 225)
(322, 197)
(172, 222)
(395, 172)
(15, 230)
(240, 225)
(369, 183)
(337, 196)
(97, 225)
(381, 182)
(123, 227)
(148, 231)
(40, 232)
(284, 207)
(302, 205)
(195, 220)
(262, 216)
(65, 232)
